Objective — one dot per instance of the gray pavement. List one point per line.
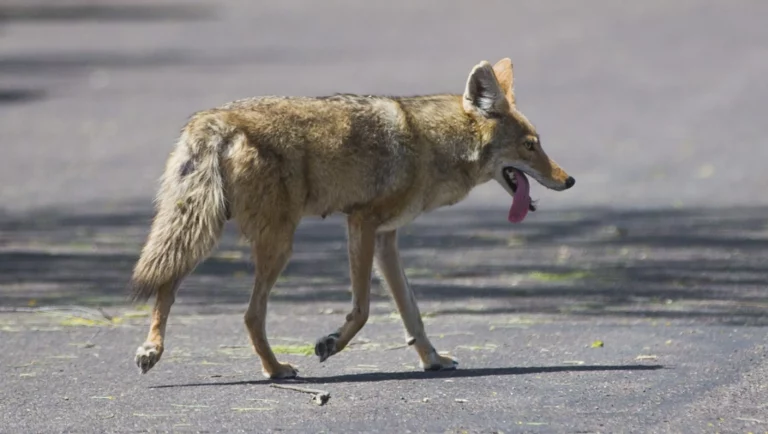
(659, 252)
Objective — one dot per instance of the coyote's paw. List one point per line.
(147, 356)
(437, 362)
(326, 346)
(284, 371)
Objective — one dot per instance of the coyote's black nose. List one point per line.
(569, 182)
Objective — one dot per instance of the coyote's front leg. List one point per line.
(388, 263)
(360, 243)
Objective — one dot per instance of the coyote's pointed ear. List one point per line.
(483, 93)
(503, 70)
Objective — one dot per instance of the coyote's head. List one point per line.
(511, 146)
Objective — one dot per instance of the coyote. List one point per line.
(267, 162)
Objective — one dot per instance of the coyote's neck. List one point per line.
(451, 144)
(449, 132)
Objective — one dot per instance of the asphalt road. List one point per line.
(659, 252)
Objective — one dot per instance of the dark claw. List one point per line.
(326, 346)
(146, 362)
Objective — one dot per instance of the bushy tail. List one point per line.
(191, 209)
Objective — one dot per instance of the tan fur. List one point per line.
(268, 162)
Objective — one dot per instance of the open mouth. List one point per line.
(511, 175)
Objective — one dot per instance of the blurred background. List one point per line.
(657, 108)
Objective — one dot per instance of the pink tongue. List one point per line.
(521, 200)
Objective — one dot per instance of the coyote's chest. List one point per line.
(438, 197)
(407, 215)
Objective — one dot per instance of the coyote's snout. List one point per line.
(268, 162)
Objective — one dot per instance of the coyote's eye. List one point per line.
(529, 144)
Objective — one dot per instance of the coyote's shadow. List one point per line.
(421, 375)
